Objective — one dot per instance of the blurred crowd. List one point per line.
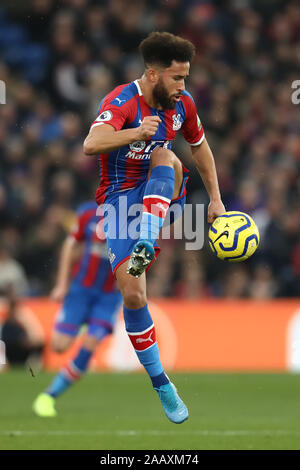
(58, 59)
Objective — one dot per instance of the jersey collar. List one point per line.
(138, 87)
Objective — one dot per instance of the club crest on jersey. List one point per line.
(176, 122)
(137, 146)
(105, 116)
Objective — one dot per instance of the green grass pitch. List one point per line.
(121, 411)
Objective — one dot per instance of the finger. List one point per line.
(210, 218)
(152, 131)
(152, 118)
(150, 125)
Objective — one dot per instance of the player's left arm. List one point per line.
(193, 133)
(205, 163)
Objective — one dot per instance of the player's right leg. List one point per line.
(141, 331)
(164, 183)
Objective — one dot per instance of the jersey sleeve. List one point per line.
(111, 113)
(77, 230)
(192, 128)
(81, 219)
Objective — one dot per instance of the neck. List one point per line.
(147, 92)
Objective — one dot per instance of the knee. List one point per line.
(133, 298)
(90, 342)
(162, 156)
(60, 345)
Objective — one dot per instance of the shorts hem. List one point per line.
(119, 263)
(66, 330)
(157, 251)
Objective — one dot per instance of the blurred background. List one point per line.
(58, 59)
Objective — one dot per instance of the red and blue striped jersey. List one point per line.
(94, 270)
(125, 108)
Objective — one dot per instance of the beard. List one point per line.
(161, 96)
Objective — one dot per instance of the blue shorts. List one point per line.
(84, 306)
(122, 231)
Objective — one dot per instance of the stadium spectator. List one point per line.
(12, 276)
(21, 332)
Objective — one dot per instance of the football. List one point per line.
(233, 236)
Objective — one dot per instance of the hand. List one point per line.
(58, 293)
(215, 208)
(148, 127)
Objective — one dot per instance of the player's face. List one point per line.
(171, 84)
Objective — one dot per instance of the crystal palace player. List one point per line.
(133, 133)
(92, 299)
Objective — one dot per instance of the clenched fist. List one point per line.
(215, 208)
(148, 127)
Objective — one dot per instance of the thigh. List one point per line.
(178, 177)
(177, 204)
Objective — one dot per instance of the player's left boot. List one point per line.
(173, 406)
(43, 406)
(140, 258)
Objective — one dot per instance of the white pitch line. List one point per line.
(213, 433)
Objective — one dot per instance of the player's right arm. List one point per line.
(67, 258)
(104, 138)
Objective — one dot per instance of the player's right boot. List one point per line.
(43, 406)
(172, 404)
(140, 258)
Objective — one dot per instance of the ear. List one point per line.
(152, 75)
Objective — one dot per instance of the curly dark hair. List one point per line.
(162, 48)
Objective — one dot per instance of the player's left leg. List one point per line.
(164, 183)
(141, 331)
